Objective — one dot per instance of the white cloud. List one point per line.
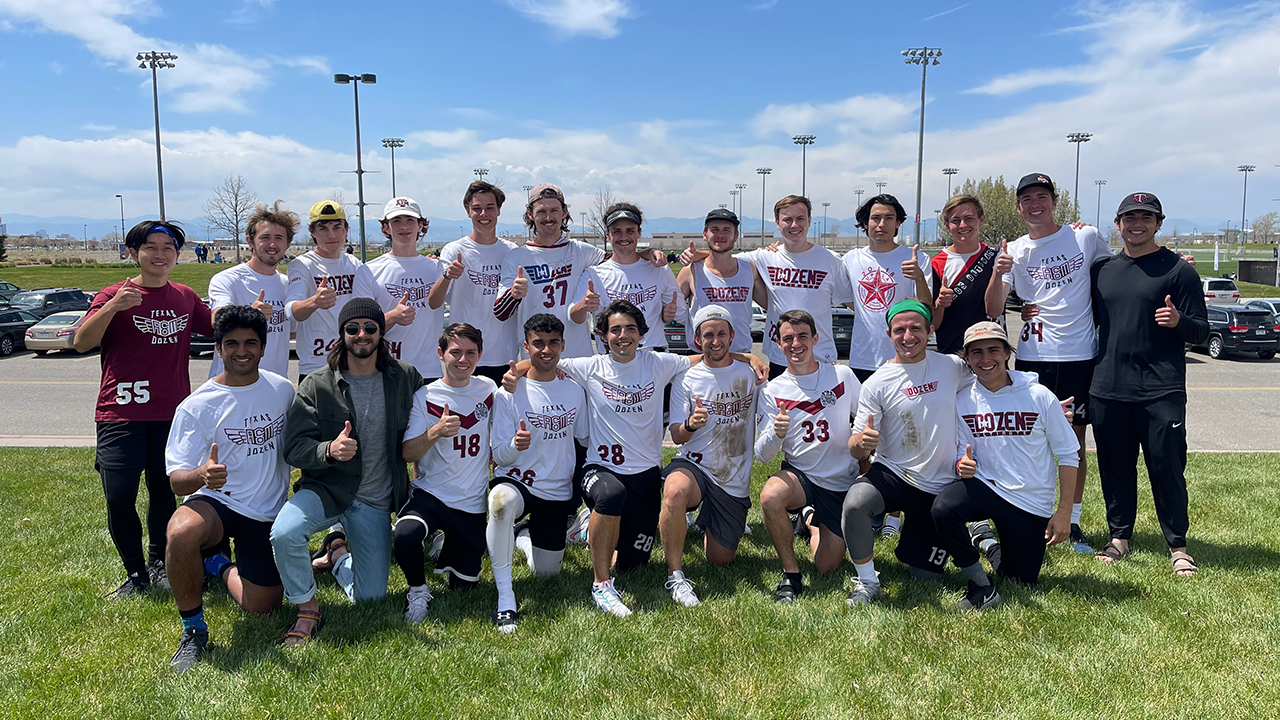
(97, 128)
(598, 18)
(314, 63)
(56, 67)
(946, 12)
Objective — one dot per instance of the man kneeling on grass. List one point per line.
(234, 490)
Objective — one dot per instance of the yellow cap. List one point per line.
(327, 210)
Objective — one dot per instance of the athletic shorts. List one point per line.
(637, 499)
(254, 558)
(919, 545)
(548, 519)
(464, 542)
(861, 374)
(1022, 544)
(493, 372)
(131, 444)
(1064, 379)
(827, 504)
(722, 515)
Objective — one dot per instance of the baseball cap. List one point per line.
(398, 206)
(710, 312)
(545, 190)
(1036, 180)
(985, 330)
(617, 215)
(327, 210)
(722, 214)
(1140, 201)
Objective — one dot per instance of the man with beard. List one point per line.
(722, 279)
(409, 276)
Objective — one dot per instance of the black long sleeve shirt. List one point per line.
(1137, 359)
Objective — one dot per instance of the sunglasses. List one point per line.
(370, 328)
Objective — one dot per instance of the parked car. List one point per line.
(47, 301)
(842, 330)
(676, 342)
(1237, 328)
(758, 317)
(1219, 291)
(201, 344)
(56, 332)
(1271, 305)
(13, 327)
(8, 290)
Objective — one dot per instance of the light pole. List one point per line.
(804, 141)
(825, 205)
(1244, 202)
(923, 57)
(480, 173)
(1078, 139)
(1097, 222)
(733, 200)
(393, 143)
(764, 171)
(741, 188)
(121, 198)
(156, 60)
(528, 189)
(355, 80)
(937, 222)
(949, 172)
(857, 231)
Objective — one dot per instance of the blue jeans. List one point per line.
(362, 573)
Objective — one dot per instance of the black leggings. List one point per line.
(121, 489)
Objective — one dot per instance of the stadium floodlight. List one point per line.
(923, 57)
(355, 81)
(392, 144)
(157, 61)
(804, 141)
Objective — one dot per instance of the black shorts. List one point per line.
(1022, 544)
(861, 374)
(131, 444)
(919, 544)
(493, 372)
(464, 543)
(775, 370)
(548, 519)
(637, 499)
(827, 504)
(254, 558)
(1064, 380)
(722, 515)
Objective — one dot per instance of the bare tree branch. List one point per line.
(229, 207)
(595, 213)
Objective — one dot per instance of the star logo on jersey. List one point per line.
(552, 423)
(877, 288)
(635, 297)
(414, 293)
(1047, 272)
(482, 411)
(259, 435)
(626, 396)
(160, 328)
(828, 398)
(484, 280)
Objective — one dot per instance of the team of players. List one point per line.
(948, 440)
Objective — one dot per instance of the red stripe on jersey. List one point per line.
(813, 407)
(466, 421)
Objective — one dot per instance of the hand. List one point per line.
(325, 296)
(1004, 261)
(1191, 259)
(523, 438)
(126, 297)
(772, 247)
(945, 296)
(591, 303)
(212, 473)
(699, 418)
(657, 257)
(781, 423)
(1068, 408)
(690, 256)
(1168, 315)
(1079, 224)
(911, 268)
(1059, 527)
(669, 311)
(343, 447)
(264, 307)
(403, 313)
(520, 286)
(449, 424)
(870, 436)
(1029, 310)
(509, 378)
(454, 271)
(966, 466)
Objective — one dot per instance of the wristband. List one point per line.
(686, 427)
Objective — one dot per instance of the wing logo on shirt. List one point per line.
(1047, 272)
(484, 280)
(812, 407)
(259, 435)
(466, 421)
(877, 288)
(731, 408)
(636, 297)
(160, 328)
(414, 293)
(552, 423)
(626, 396)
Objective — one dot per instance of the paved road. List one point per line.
(1234, 404)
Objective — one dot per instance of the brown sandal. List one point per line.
(303, 637)
(1111, 554)
(1187, 568)
(332, 541)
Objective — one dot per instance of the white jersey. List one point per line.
(1053, 273)
(914, 407)
(241, 285)
(349, 278)
(820, 406)
(455, 469)
(733, 294)
(723, 447)
(471, 297)
(247, 423)
(1015, 433)
(413, 276)
(640, 283)
(877, 283)
(554, 413)
(625, 400)
(553, 273)
(813, 281)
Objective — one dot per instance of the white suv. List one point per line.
(1219, 291)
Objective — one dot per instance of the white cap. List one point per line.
(710, 312)
(398, 206)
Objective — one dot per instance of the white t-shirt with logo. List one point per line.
(554, 413)
(553, 274)
(247, 423)
(914, 407)
(722, 448)
(814, 281)
(877, 283)
(455, 469)
(640, 283)
(349, 278)
(471, 297)
(820, 406)
(625, 400)
(241, 285)
(1053, 273)
(413, 276)
(733, 294)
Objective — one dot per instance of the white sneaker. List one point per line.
(419, 599)
(682, 590)
(608, 599)
(691, 518)
(437, 543)
(577, 533)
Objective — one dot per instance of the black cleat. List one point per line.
(505, 620)
(979, 597)
(157, 574)
(786, 591)
(132, 586)
(191, 648)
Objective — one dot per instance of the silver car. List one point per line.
(56, 332)
(1271, 305)
(1219, 291)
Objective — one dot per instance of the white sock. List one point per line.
(525, 545)
(506, 596)
(867, 571)
(893, 522)
(1075, 513)
(544, 563)
(676, 575)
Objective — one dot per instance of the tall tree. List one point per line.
(230, 207)
(1265, 226)
(4, 253)
(1000, 204)
(595, 213)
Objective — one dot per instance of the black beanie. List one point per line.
(362, 307)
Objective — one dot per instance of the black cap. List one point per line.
(362, 307)
(722, 214)
(1036, 180)
(1140, 201)
(617, 215)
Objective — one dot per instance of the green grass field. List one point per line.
(1129, 641)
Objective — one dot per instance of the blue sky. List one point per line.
(670, 103)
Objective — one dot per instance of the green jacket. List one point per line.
(321, 408)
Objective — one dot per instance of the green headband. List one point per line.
(908, 305)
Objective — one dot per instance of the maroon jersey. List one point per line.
(145, 351)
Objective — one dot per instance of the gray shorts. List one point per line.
(722, 515)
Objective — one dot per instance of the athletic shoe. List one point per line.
(505, 620)
(979, 597)
(862, 593)
(878, 522)
(437, 544)
(419, 602)
(133, 585)
(787, 592)
(799, 522)
(892, 527)
(158, 576)
(1079, 542)
(191, 648)
(682, 590)
(690, 518)
(577, 532)
(608, 599)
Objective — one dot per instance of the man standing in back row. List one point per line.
(722, 279)
(408, 276)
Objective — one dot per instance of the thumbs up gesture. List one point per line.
(264, 307)
(1168, 316)
(699, 418)
(781, 423)
(945, 296)
(967, 466)
(325, 296)
(591, 301)
(510, 378)
(523, 438)
(869, 439)
(454, 271)
(1068, 408)
(343, 447)
(1004, 261)
(448, 425)
(126, 297)
(690, 256)
(520, 286)
(213, 473)
(403, 313)
(911, 267)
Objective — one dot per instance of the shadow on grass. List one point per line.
(1222, 556)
